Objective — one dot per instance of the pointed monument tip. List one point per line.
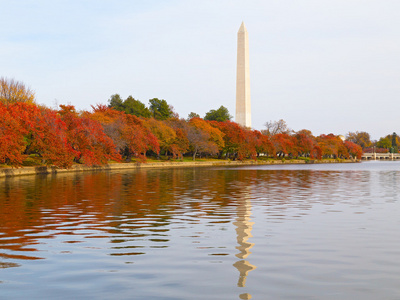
(242, 27)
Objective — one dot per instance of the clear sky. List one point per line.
(323, 65)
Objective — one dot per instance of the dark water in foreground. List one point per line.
(274, 232)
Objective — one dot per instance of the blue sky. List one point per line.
(326, 66)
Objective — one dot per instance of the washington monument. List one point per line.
(243, 105)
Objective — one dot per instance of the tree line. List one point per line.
(126, 129)
(389, 143)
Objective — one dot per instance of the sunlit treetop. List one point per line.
(13, 91)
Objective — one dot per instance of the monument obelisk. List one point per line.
(243, 105)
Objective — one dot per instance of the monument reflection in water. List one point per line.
(243, 230)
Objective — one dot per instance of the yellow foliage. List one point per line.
(12, 91)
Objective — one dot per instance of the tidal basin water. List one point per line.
(266, 232)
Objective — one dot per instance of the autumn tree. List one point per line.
(305, 143)
(181, 144)
(139, 138)
(12, 142)
(332, 146)
(45, 134)
(249, 148)
(88, 141)
(204, 138)
(275, 127)
(284, 144)
(360, 138)
(353, 149)
(220, 115)
(128, 132)
(12, 91)
(233, 137)
(165, 135)
(264, 144)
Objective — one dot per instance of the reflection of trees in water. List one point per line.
(119, 205)
(291, 193)
(388, 182)
(115, 205)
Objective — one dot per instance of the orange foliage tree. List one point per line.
(332, 146)
(181, 143)
(204, 138)
(165, 135)
(128, 132)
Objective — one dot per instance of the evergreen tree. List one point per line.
(220, 115)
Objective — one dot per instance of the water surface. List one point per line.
(266, 232)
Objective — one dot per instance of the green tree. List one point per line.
(135, 107)
(130, 106)
(384, 143)
(192, 115)
(116, 102)
(220, 115)
(160, 109)
(395, 142)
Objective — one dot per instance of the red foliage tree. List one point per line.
(305, 143)
(353, 149)
(44, 133)
(11, 138)
(88, 141)
(264, 144)
(234, 137)
(284, 144)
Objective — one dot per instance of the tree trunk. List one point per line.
(194, 154)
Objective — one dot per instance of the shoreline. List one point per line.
(42, 170)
